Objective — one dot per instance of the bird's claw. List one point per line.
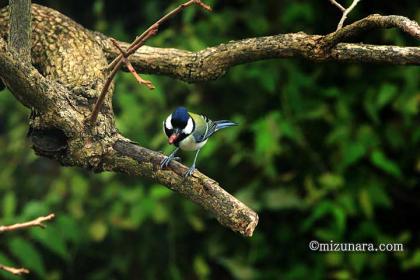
(190, 171)
(165, 162)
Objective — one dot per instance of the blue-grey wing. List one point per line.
(204, 127)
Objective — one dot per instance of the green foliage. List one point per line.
(323, 151)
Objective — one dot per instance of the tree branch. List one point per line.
(20, 29)
(338, 5)
(130, 67)
(116, 64)
(345, 11)
(115, 67)
(13, 270)
(135, 160)
(21, 78)
(410, 27)
(38, 222)
(213, 62)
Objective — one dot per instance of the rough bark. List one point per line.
(211, 63)
(72, 69)
(135, 160)
(20, 28)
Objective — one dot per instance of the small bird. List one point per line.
(189, 132)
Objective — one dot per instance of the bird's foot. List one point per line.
(165, 162)
(190, 171)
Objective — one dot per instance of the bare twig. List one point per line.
(149, 33)
(344, 10)
(130, 67)
(338, 5)
(134, 46)
(13, 270)
(38, 222)
(116, 64)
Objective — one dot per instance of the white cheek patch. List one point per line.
(168, 123)
(189, 127)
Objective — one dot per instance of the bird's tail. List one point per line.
(223, 124)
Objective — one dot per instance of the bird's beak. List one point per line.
(173, 137)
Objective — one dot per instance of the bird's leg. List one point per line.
(192, 168)
(164, 163)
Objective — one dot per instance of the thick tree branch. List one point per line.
(135, 160)
(213, 62)
(21, 78)
(20, 29)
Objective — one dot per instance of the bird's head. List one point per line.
(178, 125)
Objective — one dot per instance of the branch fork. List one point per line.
(130, 67)
(345, 11)
(116, 64)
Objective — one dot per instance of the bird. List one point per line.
(189, 132)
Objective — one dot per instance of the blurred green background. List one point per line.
(324, 151)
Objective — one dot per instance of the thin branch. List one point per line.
(338, 5)
(111, 76)
(410, 27)
(13, 270)
(138, 42)
(134, 46)
(130, 67)
(38, 222)
(20, 28)
(345, 11)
